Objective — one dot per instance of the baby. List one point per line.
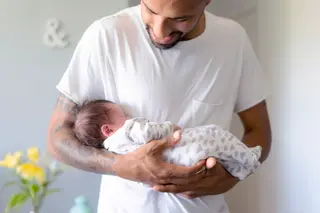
(103, 124)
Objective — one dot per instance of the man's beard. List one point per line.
(180, 37)
(165, 46)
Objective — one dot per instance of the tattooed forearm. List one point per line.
(60, 127)
(67, 149)
(64, 104)
(84, 157)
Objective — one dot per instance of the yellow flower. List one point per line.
(33, 154)
(31, 171)
(11, 160)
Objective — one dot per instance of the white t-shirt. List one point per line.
(197, 82)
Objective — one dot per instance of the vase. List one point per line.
(81, 205)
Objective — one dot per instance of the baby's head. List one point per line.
(97, 120)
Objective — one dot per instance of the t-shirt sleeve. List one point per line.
(82, 79)
(253, 82)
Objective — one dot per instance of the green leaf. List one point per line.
(33, 190)
(51, 191)
(16, 201)
(45, 184)
(24, 181)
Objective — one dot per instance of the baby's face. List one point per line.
(117, 116)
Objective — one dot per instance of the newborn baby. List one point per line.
(103, 124)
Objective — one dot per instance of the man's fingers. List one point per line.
(210, 163)
(158, 146)
(170, 188)
(185, 181)
(185, 171)
(187, 175)
(176, 136)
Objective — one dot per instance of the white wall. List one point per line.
(288, 45)
(289, 35)
(29, 72)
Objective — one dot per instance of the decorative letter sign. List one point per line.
(53, 37)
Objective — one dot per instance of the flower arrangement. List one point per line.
(34, 177)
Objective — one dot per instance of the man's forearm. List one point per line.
(258, 137)
(65, 147)
(69, 150)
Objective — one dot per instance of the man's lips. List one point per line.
(165, 40)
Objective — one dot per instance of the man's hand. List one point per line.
(215, 181)
(146, 164)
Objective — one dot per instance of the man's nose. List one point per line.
(161, 29)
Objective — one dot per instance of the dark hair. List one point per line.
(90, 116)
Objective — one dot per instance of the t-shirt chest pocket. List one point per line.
(204, 113)
(208, 102)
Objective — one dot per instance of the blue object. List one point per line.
(81, 205)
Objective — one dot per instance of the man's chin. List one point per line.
(165, 46)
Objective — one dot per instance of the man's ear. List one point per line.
(105, 130)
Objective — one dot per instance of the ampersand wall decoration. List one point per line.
(53, 36)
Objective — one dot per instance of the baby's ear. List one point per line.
(105, 130)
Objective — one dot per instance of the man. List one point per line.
(164, 60)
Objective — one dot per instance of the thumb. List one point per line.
(210, 163)
(174, 138)
(168, 142)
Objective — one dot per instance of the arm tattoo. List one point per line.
(85, 158)
(64, 104)
(72, 152)
(60, 127)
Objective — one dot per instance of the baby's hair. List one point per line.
(90, 116)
